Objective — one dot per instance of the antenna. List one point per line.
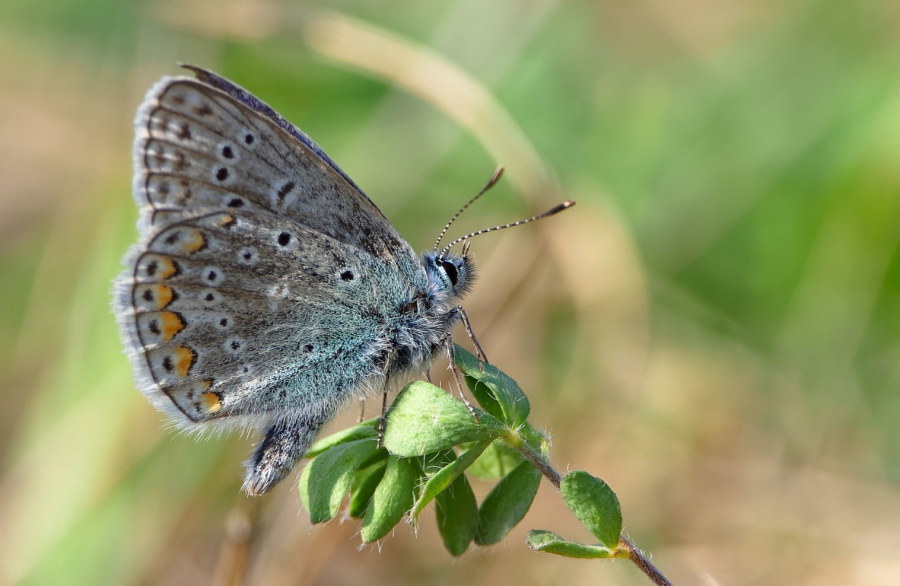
(555, 210)
(493, 180)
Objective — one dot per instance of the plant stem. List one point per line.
(634, 554)
(646, 566)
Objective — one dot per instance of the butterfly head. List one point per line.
(450, 272)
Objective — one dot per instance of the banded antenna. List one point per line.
(491, 182)
(554, 210)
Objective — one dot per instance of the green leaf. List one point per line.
(432, 463)
(507, 503)
(326, 479)
(394, 496)
(363, 487)
(484, 396)
(552, 543)
(593, 503)
(457, 515)
(363, 430)
(495, 462)
(444, 477)
(379, 456)
(425, 419)
(500, 389)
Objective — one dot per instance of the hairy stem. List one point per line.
(632, 553)
(646, 566)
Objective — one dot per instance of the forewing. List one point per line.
(200, 149)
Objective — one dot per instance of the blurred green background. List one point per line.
(712, 330)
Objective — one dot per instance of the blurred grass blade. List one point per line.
(436, 80)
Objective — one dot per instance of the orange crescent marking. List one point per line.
(163, 296)
(184, 360)
(224, 221)
(212, 401)
(171, 325)
(196, 241)
(167, 267)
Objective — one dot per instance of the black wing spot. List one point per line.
(227, 152)
(284, 239)
(148, 295)
(249, 138)
(286, 189)
(167, 363)
(308, 348)
(222, 174)
(173, 238)
(236, 203)
(153, 326)
(347, 276)
(223, 322)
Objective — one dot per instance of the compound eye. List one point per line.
(451, 271)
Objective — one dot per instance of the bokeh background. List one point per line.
(712, 329)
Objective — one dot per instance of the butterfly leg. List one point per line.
(384, 404)
(284, 444)
(451, 356)
(479, 352)
(381, 422)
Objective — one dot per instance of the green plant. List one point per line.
(419, 463)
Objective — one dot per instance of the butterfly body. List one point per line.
(266, 289)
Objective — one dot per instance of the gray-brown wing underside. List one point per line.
(199, 149)
(261, 270)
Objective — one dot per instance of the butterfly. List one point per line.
(266, 289)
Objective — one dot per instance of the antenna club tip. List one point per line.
(498, 172)
(564, 205)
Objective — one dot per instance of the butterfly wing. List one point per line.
(263, 272)
(199, 147)
(263, 109)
